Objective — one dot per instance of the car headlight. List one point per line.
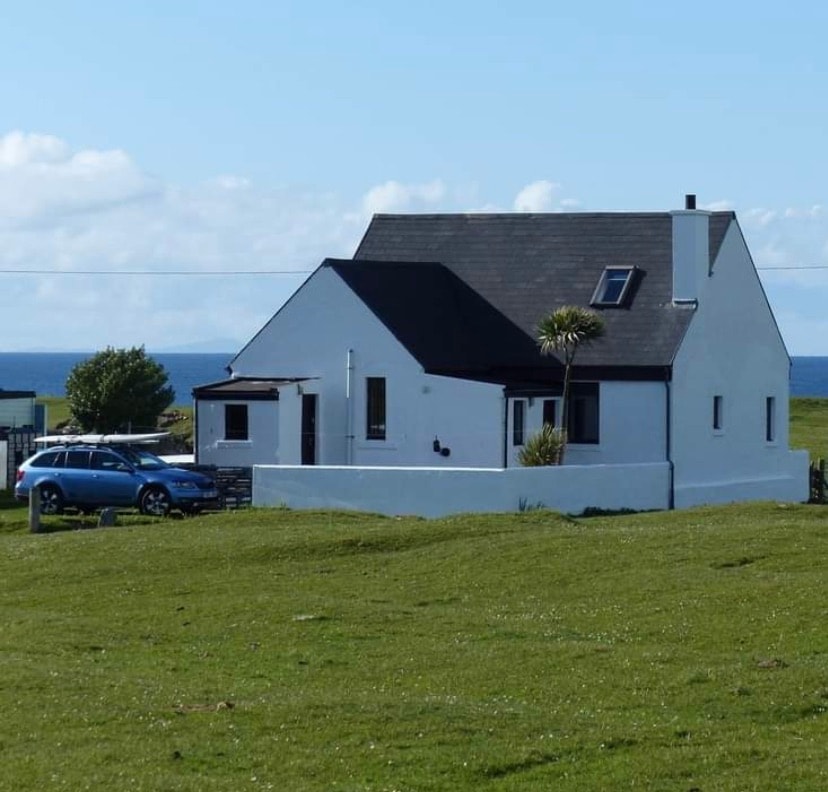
(184, 485)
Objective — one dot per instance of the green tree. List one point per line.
(564, 330)
(118, 390)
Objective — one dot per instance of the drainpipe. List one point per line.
(671, 494)
(349, 418)
(505, 429)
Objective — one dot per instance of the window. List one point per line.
(550, 411)
(718, 415)
(48, 459)
(583, 416)
(375, 411)
(770, 419)
(518, 421)
(235, 422)
(77, 459)
(103, 460)
(613, 286)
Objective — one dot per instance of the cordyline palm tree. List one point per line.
(564, 330)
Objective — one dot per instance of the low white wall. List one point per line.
(4, 464)
(435, 492)
(791, 484)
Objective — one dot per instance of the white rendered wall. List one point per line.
(4, 464)
(263, 433)
(733, 350)
(311, 336)
(632, 426)
(435, 492)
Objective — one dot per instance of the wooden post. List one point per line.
(34, 510)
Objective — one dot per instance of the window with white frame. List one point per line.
(613, 286)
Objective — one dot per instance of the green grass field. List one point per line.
(272, 649)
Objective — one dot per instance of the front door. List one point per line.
(308, 428)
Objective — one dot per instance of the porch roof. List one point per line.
(245, 389)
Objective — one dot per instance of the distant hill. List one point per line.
(228, 345)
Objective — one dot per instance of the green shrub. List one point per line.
(543, 448)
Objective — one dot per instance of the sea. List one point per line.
(45, 373)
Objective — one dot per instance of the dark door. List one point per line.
(308, 428)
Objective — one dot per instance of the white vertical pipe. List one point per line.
(349, 412)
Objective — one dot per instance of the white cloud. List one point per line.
(18, 149)
(41, 178)
(718, 206)
(393, 196)
(538, 196)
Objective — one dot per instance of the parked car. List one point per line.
(88, 477)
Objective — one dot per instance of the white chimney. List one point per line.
(691, 251)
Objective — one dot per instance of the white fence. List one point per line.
(435, 492)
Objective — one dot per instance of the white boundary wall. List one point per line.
(436, 492)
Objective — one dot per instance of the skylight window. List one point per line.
(613, 286)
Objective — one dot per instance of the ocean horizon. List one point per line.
(45, 373)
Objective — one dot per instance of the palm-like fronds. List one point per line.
(565, 329)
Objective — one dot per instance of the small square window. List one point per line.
(613, 286)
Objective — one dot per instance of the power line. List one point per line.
(152, 272)
(234, 273)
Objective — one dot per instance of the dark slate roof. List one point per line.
(446, 325)
(7, 394)
(524, 266)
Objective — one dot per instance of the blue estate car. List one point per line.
(88, 477)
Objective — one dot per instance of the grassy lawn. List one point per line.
(320, 651)
(809, 426)
(272, 649)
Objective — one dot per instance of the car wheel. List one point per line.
(155, 502)
(51, 500)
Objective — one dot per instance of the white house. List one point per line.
(420, 352)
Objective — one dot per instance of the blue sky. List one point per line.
(247, 136)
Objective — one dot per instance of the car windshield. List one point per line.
(142, 460)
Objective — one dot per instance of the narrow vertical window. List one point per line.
(518, 421)
(235, 422)
(375, 401)
(718, 417)
(549, 412)
(770, 419)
